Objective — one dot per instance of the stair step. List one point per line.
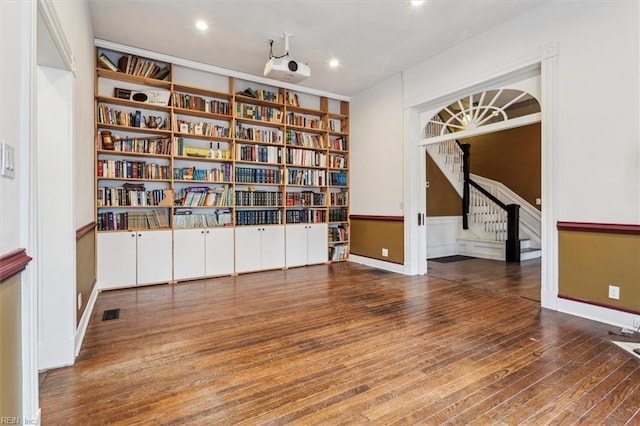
(530, 253)
(488, 249)
(528, 249)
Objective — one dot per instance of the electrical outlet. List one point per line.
(614, 292)
(401, 205)
(385, 252)
(79, 301)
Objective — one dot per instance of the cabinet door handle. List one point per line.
(139, 235)
(202, 232)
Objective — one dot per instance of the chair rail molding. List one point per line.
(13, 263)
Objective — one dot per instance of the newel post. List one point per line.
(466, 152)
(513, 233)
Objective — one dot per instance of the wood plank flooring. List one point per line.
(342, 344)
(519, 279)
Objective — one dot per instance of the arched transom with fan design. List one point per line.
(483, 112)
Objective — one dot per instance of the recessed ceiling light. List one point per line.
(416, 2)
(201, 25)
(333, 63)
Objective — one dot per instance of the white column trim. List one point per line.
(549, 273)
(414, 236)
(30, 381)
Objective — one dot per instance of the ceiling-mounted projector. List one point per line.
(284, 67)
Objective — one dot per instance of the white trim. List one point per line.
(414, 199)
(50, 18)
(597, 313)
(375, 263)
(57, 272)
(29, 204)
(549, 147)
(84, 321)
(214, 69)
(489, 128)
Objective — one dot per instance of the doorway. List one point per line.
(52, 151)
(416, 119)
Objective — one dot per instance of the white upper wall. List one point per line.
(377, 150)
(15, 30)
(596, 144)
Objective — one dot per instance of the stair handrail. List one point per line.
(487, 194)
(512, 244)
(527, 211)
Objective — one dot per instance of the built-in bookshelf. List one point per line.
(179, 149)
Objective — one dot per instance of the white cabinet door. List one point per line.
(219, 251)
(248, 248)
(296, 245)
(155, 250)
(116, 259)
(317, 243)
(188, 253)
(272, 247)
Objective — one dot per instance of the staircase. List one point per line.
(487, 222)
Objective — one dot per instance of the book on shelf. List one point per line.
(167, 200)
(123, 63)
(162, 73)
(249, 92)
(106, 63)
(292, 99)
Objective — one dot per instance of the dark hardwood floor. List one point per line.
(519, 279)
(343, 344)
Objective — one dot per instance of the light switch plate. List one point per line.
(7, 160)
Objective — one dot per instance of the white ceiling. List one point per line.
(373, 39)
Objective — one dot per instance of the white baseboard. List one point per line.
(84, 321)
(597, 313)
(442, 250)
(375, 263)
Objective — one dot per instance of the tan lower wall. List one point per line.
(85, 269)
(588, 262)
(369, 237)
(10, 348)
